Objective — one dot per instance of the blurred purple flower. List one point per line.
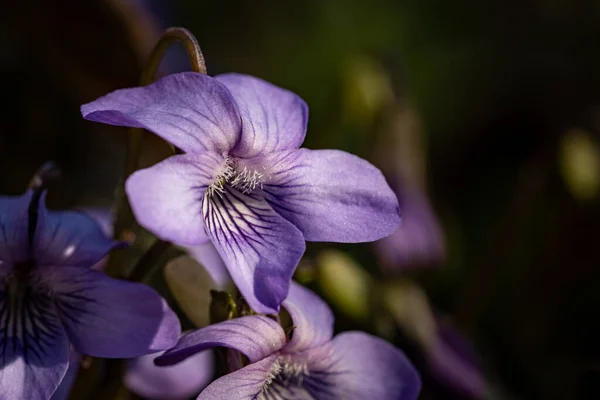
(419, 241)
(311, 365)
(451, 358)
(454, 362)
(103, 217)
(179, 381)
(244, 183)
(50, 298)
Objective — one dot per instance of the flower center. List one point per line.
(236, 174)
(28, 315)
(287, 379)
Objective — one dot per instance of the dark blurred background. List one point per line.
(484, 116)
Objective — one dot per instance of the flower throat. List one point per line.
(238, 176)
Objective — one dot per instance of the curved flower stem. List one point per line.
(171, 35)
(124, 217)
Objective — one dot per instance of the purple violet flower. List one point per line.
(244, 183)
(50, 298)
(311, 365)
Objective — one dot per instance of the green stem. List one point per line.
(171, 35)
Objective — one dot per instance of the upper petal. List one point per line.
(312, 317)
(110, 318)
(274, 119)
(179, 381)
(367, 367)
(255, 336)
(260, 248)
(193, 111)
(166, 198)
(331, 195)
(69, 238)
(14, 245)
(243, 384)
(34, 349)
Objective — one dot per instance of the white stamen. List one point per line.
(286, 372)
(246, 179)
(238, 176)
(223, 176)
(273, 374)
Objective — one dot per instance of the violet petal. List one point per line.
(110, 318)
(255, 336)
(331, 195)
(370, 368)
(274, 119)
(34, 361)
(260, 248)
(191, 110)
(69, 238)
(243, 384)
(312, 317)
(166, 198)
